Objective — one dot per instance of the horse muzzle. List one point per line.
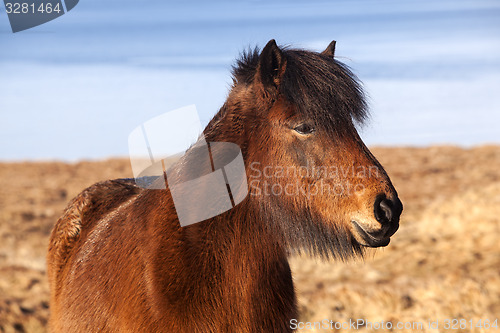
(387, 213)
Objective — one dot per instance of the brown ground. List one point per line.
(443, 263)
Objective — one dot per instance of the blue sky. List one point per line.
(76, 87)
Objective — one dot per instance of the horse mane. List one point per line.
(324, 90)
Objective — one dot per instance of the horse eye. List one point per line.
(304, 129)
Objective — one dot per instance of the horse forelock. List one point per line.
(319, 88)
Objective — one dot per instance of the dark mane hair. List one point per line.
(323, 89)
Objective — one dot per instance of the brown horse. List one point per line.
(119, 261)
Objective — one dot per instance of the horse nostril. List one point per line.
(384, 209)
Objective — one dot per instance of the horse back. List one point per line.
(75, 233)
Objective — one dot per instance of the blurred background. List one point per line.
(72, 90)
(75, 87)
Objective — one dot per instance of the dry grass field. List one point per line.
(443, 263)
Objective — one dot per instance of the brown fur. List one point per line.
(119, 261)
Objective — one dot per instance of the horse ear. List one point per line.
(330, 50)
(272, 64)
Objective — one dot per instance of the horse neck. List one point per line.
(232, 263)
(242, 265)
(237, 242)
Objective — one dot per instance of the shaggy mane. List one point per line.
(321, 88)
